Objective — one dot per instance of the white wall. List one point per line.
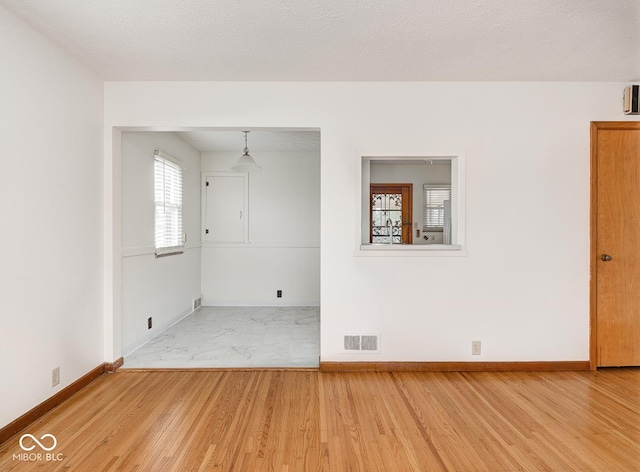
(161, 288)
(418, 175)
(284, 235)
(523, 293)
(51, 186)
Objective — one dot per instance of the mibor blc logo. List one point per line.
(29, 443)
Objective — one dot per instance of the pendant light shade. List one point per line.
(246, 163)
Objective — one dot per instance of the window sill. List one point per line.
(411, 250)
(169, 252)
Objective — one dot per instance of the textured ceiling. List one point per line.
(258, 140)
(345, 40)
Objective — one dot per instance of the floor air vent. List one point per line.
(196, 303)
(362, 342)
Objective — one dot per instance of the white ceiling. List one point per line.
(280, 140)
(345, 40)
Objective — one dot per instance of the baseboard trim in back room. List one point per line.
(50, 403)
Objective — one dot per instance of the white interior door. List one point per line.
(226, 207)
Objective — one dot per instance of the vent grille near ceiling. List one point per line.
(362, 342)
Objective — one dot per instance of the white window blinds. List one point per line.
(434, 198)
(168, 199)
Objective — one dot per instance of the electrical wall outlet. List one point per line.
(149, 322)
(55, 377)
(476, 347)
(279, 294)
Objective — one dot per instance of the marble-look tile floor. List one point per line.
(235, 337)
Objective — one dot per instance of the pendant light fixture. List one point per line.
(246, 163)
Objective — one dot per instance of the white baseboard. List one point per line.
(212, 302)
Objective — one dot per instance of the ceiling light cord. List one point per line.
(246, 146)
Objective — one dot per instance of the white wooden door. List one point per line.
(225, 209)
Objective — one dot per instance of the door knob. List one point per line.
(605, 258)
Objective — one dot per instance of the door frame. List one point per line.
(593, 314)
(388, 188)
(112, 256)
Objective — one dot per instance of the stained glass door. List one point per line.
(391, 207)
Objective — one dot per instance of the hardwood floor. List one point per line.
(311, 421)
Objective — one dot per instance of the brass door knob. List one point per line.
(605, 258)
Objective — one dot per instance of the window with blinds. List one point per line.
(168, 203)
(434, 198)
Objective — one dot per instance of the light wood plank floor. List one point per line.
(309, 421)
